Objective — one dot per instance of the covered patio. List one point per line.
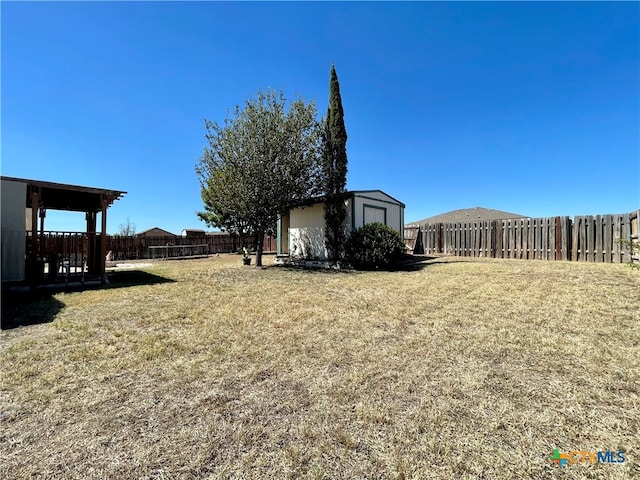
(36, 256)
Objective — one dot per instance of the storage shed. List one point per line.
(301, 228)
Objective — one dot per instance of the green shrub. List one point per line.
(374, 245)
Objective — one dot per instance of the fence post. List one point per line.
(598, 238)
(565, 237)
(626, 234)
(634, 237)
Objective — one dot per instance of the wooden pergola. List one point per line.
(42, 196)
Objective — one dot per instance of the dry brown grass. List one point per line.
(463, 369)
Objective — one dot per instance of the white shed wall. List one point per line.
(376, 206)
(304, 227)
(306, 232)
(14, 229)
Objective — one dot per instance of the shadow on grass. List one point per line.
(408, 263)
(22, 307)
(133, 278)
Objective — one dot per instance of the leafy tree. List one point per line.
(264, 158)
(334, 166)
(217, 212)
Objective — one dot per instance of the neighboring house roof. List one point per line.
(155, 232)
(348, 194)
(467, 215)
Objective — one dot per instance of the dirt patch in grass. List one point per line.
(458, 369)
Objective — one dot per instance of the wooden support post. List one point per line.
(34, 254)
(103, 239)
(43, 214)
(92, 260)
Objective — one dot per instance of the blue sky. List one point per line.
(532, 108)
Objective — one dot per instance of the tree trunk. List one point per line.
(241, 235)
(259, 239)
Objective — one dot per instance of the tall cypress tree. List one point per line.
(335, 171)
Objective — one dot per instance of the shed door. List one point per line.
(375, 214)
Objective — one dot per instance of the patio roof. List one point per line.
(75, 198)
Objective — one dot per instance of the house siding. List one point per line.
(13, 230)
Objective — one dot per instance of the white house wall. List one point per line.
(14, 229)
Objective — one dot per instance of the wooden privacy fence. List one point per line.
(599, 238)
(123, 248)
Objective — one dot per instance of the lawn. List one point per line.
(207, 369)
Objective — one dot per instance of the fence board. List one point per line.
(617, 229)
(525, 238)
(545, 238)
(582, 244)
(123, 248)
(505, 238)
(552, 239)
(558, 239)
(591, 239)
(626, 234)
(518, 245)
(575, 235)
(597, 225)
(607, 221)
(565, 237)
(506, 235)
(529, 237)
(537, 238)
(634, 226)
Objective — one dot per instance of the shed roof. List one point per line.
(349, 194)
(75, 198)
